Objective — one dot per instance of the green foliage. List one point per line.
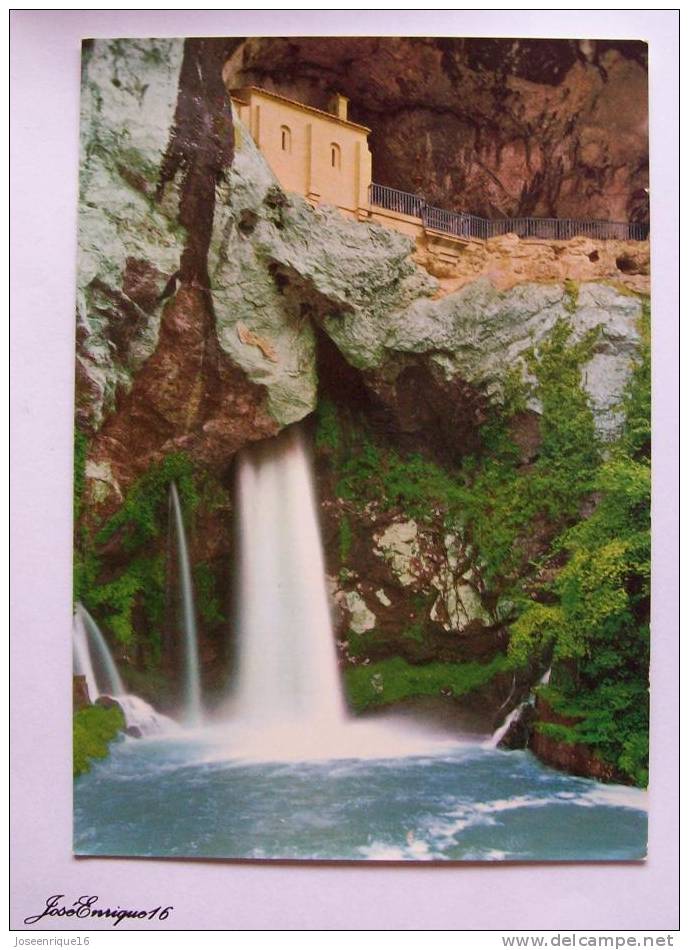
(85, 569)
(392, 680)
(600, 617)
(345, 538)
(415, 631)
(328, 433)
(81, 445)
(139, 519)
(612, 722)
(207, 600)
(137, 592)
(382, 475)
(514, 393)
(634, 756)
(571, 295)
(94, 728)
(502, 501)
(142, 581)
(636, 435)
(535, 631)
(494, 500)
(592, 616)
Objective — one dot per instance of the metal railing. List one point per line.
(403, 202)
(471, 226)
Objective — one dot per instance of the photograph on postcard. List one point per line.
(362, 449)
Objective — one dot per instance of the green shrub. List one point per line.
(94, 728)
(600, 615)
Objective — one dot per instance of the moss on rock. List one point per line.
(394, 680)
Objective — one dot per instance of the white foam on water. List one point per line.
(141, 715)
(416, 849)
(615, 796)
(295, 742)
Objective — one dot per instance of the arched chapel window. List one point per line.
(335, 155)
(285, 138)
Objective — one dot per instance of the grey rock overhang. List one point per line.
(277, 267)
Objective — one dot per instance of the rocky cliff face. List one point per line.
(214, 309)
(493, 127)
(176, 366)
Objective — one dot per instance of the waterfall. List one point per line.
(503, 729)
(82, 655)
(286, 701)
(516, 713)
(103, 679)
(194, 708)
(287, 658)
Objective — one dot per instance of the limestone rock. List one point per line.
(458, 604)
(478, 333)
(399, 546)
(276, 264)
(458, 582)
(129, 244)
(279, 268)
(509, 260)
(441, 566)
(361, 618)
(101, 482)
(151, 378)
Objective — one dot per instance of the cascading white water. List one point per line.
(107, 680)
(503, 729)
(143, 717)
(516, 713)
(192, 680)
(287, 701)
(103, 678)
(287, 661)
(82, 655)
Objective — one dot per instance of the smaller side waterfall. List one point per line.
(503, 729)
(194, 708)
(82, 655)
(107, 675)
(103, 679)
(516, 714)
